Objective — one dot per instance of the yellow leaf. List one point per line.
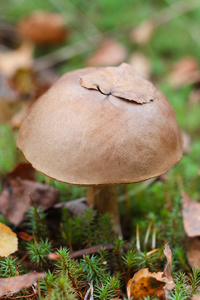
(8, 241)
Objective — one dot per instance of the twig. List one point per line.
(20, 297)
(91, 250)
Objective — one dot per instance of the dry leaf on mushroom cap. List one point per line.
(124, 83)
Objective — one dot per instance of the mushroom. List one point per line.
(99, 127)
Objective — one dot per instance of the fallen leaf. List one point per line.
(192, 246)
(191, 216)
(43, 27)
(15, 199)
(23, 170)
(25, 236)
(194, 97)
(145, 283)
(110, 53)
(13, 60)
(15, 284)
(196, 297)
(53, 256)
(122, 82)
(168, 269)
(185, 71)
(187, 141)
(141, 64)
(8, 241)
(75, 207)
(143, 33)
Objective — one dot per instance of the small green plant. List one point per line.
(9, 267)
(38, 251)
(108, 290)
(186, 286)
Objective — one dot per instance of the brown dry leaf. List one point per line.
(185, 72)
(25, 236)
(192, 246)
(141, 64)
(75, 207)
(15, 199)
(8, 241)
(23, 170)
(187, 141)
(168, 268)
(145, 283)
(15, 284)
(191, 216)
(43, 27)
(13, 60)
(122, 82)
(143, 33)
(196, 297)
(110, 53)
(194, 97)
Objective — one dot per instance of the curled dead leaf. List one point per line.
(168, 269)
(15, 284)
(8, 241)
(122, 82)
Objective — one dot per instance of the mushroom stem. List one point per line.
(104, 200)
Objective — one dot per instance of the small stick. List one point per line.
(91, 250)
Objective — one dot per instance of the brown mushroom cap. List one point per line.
(78, 135)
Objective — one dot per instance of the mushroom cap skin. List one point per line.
(83, 137)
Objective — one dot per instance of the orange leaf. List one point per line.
(145, 284)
